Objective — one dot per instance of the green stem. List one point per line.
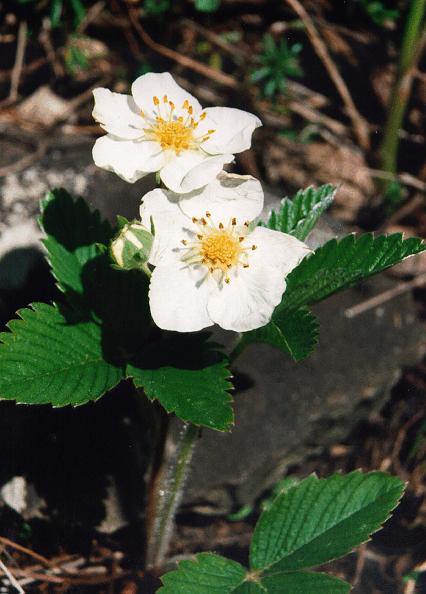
(169, 491)
(413, 40)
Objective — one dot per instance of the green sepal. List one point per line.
(131, 247)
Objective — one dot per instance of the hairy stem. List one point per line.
(169, 490)
(412, 44)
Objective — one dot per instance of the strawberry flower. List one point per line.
(211, 265)
(162, 128)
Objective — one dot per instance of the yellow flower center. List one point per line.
(176, 133)
(219, 248)
(173, 135)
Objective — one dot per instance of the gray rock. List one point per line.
(289, 410)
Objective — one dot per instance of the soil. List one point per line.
(307, 138)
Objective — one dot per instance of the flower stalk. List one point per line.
(169, 490)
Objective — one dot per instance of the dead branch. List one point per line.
(360, 125)
(6, 74)
(14, 582)
(406, 209)
(25, 162)
(185, 61)
(19, 61)
(91, 15)
(400, 289)
(405, 178)
(235, 52)
(49, 50)
(14, 545)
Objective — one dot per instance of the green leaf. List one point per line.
(207, 574)
(322, 519)
(73, 234)
(302, 582)
(339, 264)
(207, 5)
(294, 332)
(47, 357)
(76, 244)
(298, 216)
(55, 13)
(250, 587)
(188, 377)
(79, 11)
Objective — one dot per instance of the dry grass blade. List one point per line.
(19, 61)
(11, 578)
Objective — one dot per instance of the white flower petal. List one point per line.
(191, 170)
(151, 85)
(227, 196)
(178, 297)
(280, 250)
(118, 114)
(129, 159)
(249, 300)
(169, 223)
(233, 129)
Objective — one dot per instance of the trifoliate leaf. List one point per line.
(188, 377)
(295, 332)
(206, 574)
(299, 216)
(49, 357)
(342, 263)
(301, 582)
(322, 519)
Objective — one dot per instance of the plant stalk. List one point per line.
(169, 490)
(412, 45)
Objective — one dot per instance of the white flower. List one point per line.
(211, 266)
(161, 127)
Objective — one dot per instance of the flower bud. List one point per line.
(131, 248)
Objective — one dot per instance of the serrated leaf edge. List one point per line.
(358, 471)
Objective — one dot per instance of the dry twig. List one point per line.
(406, 209)
(19, 61)
(14, 545)
(26, 161)
(207, 71)
(11, 578)
(400, 289)
(49, 50)
(360, 125)
(91, 15)
(6, 74)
